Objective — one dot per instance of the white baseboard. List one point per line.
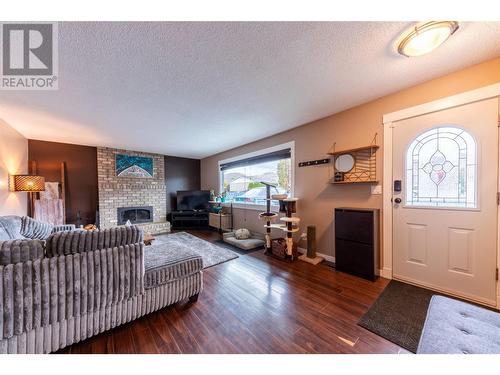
(386, 273)
(328, 258)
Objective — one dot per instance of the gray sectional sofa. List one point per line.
(77, 284)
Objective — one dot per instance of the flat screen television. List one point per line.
(193, 200)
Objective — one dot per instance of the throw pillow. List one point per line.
(10, 228)
(34, 229)
(242, 234)
(4, 235)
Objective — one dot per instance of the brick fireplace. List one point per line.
(131, 192)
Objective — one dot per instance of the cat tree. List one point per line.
(290, 226)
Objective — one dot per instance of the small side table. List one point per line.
(148, 239)
(219, 204)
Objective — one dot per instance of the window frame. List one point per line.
(251, 206)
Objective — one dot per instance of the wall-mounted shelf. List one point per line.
(352, 150)
(354, 182)
(364, 169)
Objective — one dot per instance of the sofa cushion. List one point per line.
(458, 327)
(34, 229)
(17, 251)
(164, 264)
(10, 228)
(80, 241)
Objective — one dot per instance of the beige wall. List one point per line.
(13, 160)
(351, 128)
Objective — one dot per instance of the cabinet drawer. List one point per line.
(354, 225)
(355, 258)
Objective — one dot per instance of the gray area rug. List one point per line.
(184, 242)
(398, 315)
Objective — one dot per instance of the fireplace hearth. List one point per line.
(136, 215)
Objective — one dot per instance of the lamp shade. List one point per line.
(26, 182)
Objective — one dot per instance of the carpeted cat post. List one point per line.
(310, 256)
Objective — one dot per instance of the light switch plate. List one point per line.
(376, 189)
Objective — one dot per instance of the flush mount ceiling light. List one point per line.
(426, 37)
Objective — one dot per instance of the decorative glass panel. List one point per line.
(441, 169)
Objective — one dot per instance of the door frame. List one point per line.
(483, 93)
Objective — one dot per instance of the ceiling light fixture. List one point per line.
(425, 37)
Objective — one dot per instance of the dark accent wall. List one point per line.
(81, 175)
(180, 174)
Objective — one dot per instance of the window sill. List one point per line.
(254, 207)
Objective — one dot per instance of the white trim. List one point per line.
(467, 97)
(290, 145)
(386, 265)
(386, 273)
(498, 213)
(329, 258)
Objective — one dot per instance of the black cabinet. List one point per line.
(189, 219)
(357, 241)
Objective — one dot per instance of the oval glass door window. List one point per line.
(441, 169)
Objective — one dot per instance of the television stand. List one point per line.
(190, 219)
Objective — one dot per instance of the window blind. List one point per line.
(272, 156)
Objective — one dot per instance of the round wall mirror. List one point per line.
(344, 163)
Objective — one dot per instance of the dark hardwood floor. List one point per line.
(256, 304)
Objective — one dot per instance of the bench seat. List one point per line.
(456, 327)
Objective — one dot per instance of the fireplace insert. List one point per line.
(136, 215)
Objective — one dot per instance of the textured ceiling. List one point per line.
(195, 89)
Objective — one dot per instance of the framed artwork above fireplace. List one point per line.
(134, 166)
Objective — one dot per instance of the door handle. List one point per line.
(397, 200)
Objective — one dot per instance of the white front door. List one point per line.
(445, 166)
